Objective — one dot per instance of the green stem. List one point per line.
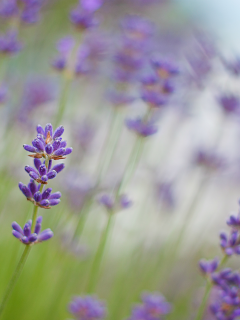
(208, 289)
(110, 144)
(98, 257)
(63, 100)
(131, 164)
(35, 211)
(15, 277)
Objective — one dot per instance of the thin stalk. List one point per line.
(35, 211)
(98, 257)
(131, 164)
(63, 100)
(15, 277)
(110, 144)
(208, 289)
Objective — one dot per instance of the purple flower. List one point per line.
(3, 94)
(114, 205)
(209, 159)
(164, 68)
(141, 127)
(229, 103)
(87, 308)
(64, 47)
(231, 244)
(40, 173)
(120, 98)
(44, 200)
(209, 266)
(227, 304)
(153, 307)
(154, 99)
(8, 8)
(83, 17)
(91, 5)
(9, 43)
(233, 66)
(48, 144)
(234, 222)
(26, 236)
(137, 28)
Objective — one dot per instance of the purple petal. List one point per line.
(52, 174)
(37, 143)
(42, 170)
(63, 144)
(33, 237)
(32, 187)
(17, 227)
(17, 234)
(45, 235)
(46, 193)
(25, 240)
(68, 151)
(59, 152)
(29, 148)
(27, 230)
(55, 195)
(54, 202)
(48, 128)
(28, 169)
(59, 167)
(37, 163)
(40, 130)
(56, 144)
(26, 191)
(44, 178)
(58, 132)
(34, 175)
(44, 203)
(49, 149)
(38, 196)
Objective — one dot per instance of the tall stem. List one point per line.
(208, 289)
(63, 100)
(15, 277)
(98, 257)
(131, 164)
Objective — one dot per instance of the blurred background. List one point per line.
(184, 181)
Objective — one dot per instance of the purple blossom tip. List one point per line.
(45, 235)
(89, 307)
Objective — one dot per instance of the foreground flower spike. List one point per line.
(153, 307)
(45, 199)
(27, 237)
(230, 103)
(231, 244)
(48, 144)
(87, 308)
(141, 128)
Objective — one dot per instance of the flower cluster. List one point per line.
(231, 244)
(46, 145)
(83, 16)
(153, 307)
(87, 308)
(9, 44)
(27, 11)
(227, 304)
(27, 237)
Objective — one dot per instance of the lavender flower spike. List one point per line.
(28, 238)
(87, 308)
(48, 145)
(210, 266)
(141, 128)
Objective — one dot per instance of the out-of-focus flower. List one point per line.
(114, 205)
(44, 199)
(87, 308)
(8, 8)
(83, 16)
(3, 94)
(64, 47)
(232, 66)
(9, 43)
(153, 307)
(36, 93)
(208, 266)
(234, 222)
(119, 98)
(141, 127)
(40, 173)
(48, 144)
(27, 237)
(137, 28)
(209, 159)
(231, 244)
(164, 68)
(165, 193)
(229, 103)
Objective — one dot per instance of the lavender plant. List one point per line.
(50, 146)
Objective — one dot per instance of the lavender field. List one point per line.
(120, 160)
